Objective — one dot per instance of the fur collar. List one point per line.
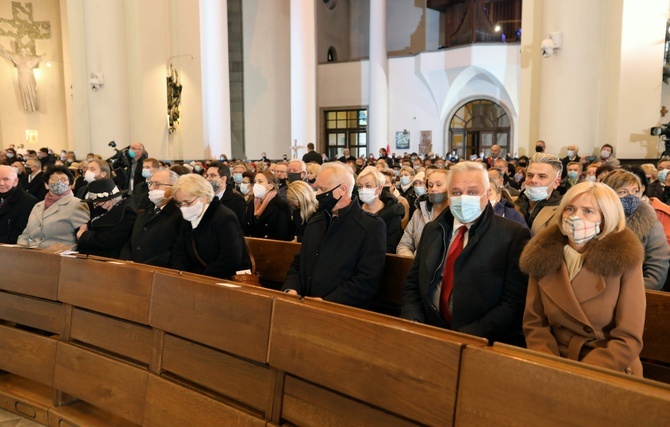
(642, 220)
(612, 255)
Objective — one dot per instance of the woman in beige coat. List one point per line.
(586, 298)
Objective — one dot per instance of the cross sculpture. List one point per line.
(295, 147)
(24, 30)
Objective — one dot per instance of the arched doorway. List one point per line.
(476, 126)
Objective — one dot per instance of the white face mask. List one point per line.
(571, 153)
(259, 191)
(244, 188)
(89, 177)
(367, 195)
(190, 213)
(605, 154)
(536, 194)
(157, 196)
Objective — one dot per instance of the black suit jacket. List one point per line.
(154, 235)
(235, 201)
(489, 292)
(107, 233)
(217, 241)
(565, 160)
(36, 187)
(14, 213)
(312, 156)
(274, 223)
(341, 259)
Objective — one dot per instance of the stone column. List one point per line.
(378, 114)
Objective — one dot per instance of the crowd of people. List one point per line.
(550, 253)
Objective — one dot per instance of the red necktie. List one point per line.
(448, 274)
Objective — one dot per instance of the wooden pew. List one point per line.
(508, 386)
(337, 358)
(656, 339)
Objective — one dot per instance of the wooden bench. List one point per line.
(656, 340)
(508, 386)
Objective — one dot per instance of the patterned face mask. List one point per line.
(580, 230)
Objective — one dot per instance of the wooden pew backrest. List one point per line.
(33, 272)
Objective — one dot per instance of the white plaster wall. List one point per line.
(51, 119)
(333, 30)
(267, 103)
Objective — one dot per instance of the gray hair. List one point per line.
(11, 170)
(549, 159)
(342, 173)
(467, 167)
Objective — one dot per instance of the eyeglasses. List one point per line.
(187, 204)
(212, 176)
(157, 184)
(55, 180)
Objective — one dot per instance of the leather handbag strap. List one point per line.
(204, 264)
(251, 256)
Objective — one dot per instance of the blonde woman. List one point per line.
(210, 241)
(586, 298)
(302, 199)
(313, 170)
(370, 183)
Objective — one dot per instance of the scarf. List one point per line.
(51, 198)
(261, 204)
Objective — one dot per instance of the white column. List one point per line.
(378, 114)
(215, 77)
(303, 74)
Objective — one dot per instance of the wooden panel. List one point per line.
(117, 336)
(27, 354)
(169, 404)
(273, 257)
(395, 367)
(224, 318)
(29, 311)
(505, 386)
(32, 272)
(106, 383)
(120, 290)
(246, 382)
(83, 414)
(656, 336)
(309, 405)
(395, 271)
(25, 397)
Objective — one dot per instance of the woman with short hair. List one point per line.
(586, 299)
(370, 183)
(210, 240)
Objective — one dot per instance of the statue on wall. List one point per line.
(25, 63)
(24, 30)
(426, 144)
(173, 99)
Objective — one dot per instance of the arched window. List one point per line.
(332, 54)
(476, 126)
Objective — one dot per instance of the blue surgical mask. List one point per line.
(244, 188)
(591, 178)
(405, 180)
(146, 173)
(535, 194)
(662, 174)
(131, 154)
(420, 191)
(573, 175)
(465, 208)
(237, 177)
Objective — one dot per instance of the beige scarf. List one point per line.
(261, 204)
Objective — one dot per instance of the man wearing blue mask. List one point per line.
(573, 156)
(133, 173)
(465, 276)
(539, 201)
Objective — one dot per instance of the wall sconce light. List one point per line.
(96, 81)
(551, 44)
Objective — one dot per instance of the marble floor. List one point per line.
(9, 419)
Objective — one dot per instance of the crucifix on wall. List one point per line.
(23, 30)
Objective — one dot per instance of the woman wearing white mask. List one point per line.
(210, 241)
(586, 298)
(405, 187)
(370, 183)
(268, 216)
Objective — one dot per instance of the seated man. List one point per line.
(343, 249)
(155, 230)
(218, 176)
(15, 206)
(539, 201)
(465, 275)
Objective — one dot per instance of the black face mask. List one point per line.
(311, 181)
(326, 200)
(29, 171)
(522, 164)
(293, 177)
(282, 182)
(538, 148)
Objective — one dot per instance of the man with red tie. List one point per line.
(465, 276)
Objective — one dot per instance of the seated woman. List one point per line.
(210, 240)
(370, 183)
(313, 170)
(429, 207)
(501, 206)
(105, 234)
(586, 297)
(55, 219)
(303, 199)
(268, 216)
(641, 220)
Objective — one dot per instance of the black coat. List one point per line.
(219, 243)
(107, 233)
(392, 214)
(312, 156)
(341, 259)
(14, 213)
(235, 201)
(36, 187)
(141, 197)
(565, 160)
(154, 235)
(274, 223)
(489, 292)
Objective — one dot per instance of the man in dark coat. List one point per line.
(311, 155)
(488, 291)
(155, 230)
(130, 170)
(343, 249)
(218, 176)
(15, 206)
(36, 182)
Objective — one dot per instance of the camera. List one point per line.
(118, 160)
(663, 132)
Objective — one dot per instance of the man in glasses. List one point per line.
(155, 229)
